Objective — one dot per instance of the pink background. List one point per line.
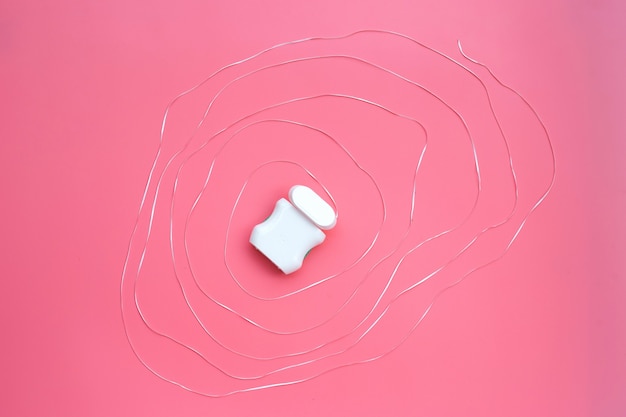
(85, 86)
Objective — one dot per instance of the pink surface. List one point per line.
(540, 332)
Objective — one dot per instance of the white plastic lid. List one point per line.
(313, 206)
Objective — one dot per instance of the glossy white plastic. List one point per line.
(291, 231)
(313, 206)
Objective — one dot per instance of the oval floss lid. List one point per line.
(313, 206)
